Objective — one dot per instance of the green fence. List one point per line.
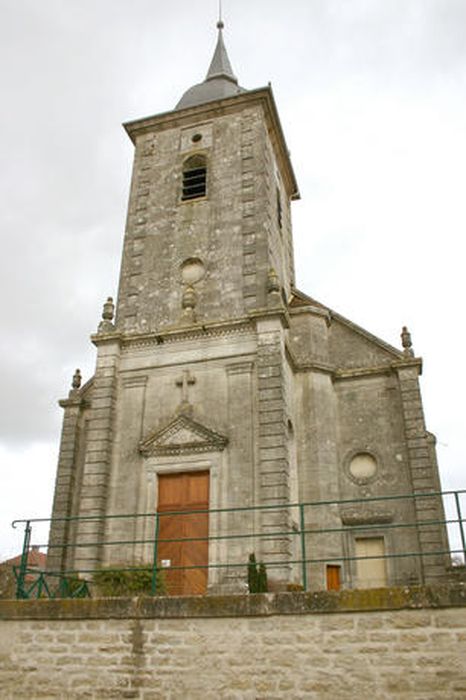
(317, 534)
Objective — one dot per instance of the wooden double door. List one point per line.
(183, 533)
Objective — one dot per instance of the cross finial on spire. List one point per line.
(220, 23)
(220, 81)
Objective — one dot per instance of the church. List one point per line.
(231, 413)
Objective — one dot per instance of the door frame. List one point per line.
(176, 464)
(377, 534)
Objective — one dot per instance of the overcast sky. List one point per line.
(372, 97)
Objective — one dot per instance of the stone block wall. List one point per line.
(380, 644)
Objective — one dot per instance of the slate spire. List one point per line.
(220, 81)
(220, 66)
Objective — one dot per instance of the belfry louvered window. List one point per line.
(279, 209)
(194, 178)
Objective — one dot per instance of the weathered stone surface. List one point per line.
(384, 644)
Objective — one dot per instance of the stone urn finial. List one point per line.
(189, 298)
(75, 383)
(406, 342)
(273, 283)
(77, 379)
(108, 312)
(188, 302)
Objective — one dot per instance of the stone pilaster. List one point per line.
(240, 480)
(94, 491)
(424, 476)
(273, 445)
(320, 477)
(135, 242)
(58, 555)
(125, 483)
(249, 222)
(318, 440)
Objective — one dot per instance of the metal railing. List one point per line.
(303, 540)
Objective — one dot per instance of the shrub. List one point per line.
(262, 584)
(116, 583)
(257, 576)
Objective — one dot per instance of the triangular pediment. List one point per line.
(183, 435)
(349, 344)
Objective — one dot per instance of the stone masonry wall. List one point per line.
(398, 644)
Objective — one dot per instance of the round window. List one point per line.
(363, 467)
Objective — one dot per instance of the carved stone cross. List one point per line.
(184, 382)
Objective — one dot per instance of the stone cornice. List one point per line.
(214, 330)
(106, 338)
(412, 598)
(74, 402)
(408, 362)
(278, 312)
(210, 110)
(339, 374)
(176, 334)
(356, 372)
(310, 309)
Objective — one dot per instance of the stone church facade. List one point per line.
(220, 385)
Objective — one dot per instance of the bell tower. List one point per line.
(193, 361)
(208, 230)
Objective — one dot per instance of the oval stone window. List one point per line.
(192, 270)
(363, 466)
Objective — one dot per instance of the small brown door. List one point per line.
(333, 577)
(183, 493)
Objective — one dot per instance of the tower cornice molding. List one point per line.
(174, 335)
(280, 312)
(106, 338)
